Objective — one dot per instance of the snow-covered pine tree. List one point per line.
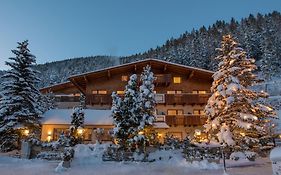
(82, 100)
(235, 117)
(18, 107)
(46, 102)
(147, 98)
(77, 124)
(127, 114)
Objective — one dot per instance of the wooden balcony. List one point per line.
(162, 79)
(169, 99)
(185, 120)
(98, 99)
(186, 99)
(67, 98)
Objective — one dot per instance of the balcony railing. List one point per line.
(168, 99)
(98, 99)
(186, 120)
(162, 79)
(67, 98)
(186, 99)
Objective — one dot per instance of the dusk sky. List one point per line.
(61, 29)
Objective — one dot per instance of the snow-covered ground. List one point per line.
(88, 161)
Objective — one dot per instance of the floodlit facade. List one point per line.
(181, 94)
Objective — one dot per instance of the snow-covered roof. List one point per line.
(160, 125)
(135, 62)
(63, 116)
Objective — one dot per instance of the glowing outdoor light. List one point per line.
(49, 133)
(26, 132)
(198, 132)
(141, 133)
(160, 135)
(80, 130)
(242, 134)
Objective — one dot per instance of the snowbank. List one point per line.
(275, 154)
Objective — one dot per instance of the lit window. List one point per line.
(77, 94)
(201, 92)
(198, 112)
(154, 92)
(180, 112)
(172, 112)
(95, 92)
(102, 92)
(175, 112)
(178, 92)
(195, 92)
(171, 92)
(177, 80)
(120, 92)
(124, 78)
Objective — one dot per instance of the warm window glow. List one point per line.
(198, 112)
(120, 92)
(175, 112)
(178, 92)
(201, 92)
(124, 78)
(77, 94)
(177, 80)
(194, 92)
(94, 92)
(154, 92)
(171, 92)
(180, 112)
(172, 112)
(102, 92)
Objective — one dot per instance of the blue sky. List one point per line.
(61, 29)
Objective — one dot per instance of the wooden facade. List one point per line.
(182, 91)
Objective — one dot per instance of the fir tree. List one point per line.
(235, 116)
(77, 124)
(147, 97)
(46, 102)
(18, 107)
(126, 114)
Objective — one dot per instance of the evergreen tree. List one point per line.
(46, 102)
(147, 98)
(18, 107)
(77, 124)
(127, 114)
(235, 116)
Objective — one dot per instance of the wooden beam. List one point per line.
(78, 86)
(86, 79)
(108, 74)
(190, 75)
(165, 68)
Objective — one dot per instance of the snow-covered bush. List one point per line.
(171, 142)
(248, 155)
(68, 154)
(49, 155)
